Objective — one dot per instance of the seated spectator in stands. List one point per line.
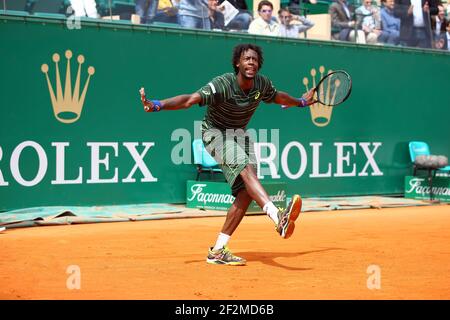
(368, 19)
(289, 29)
(167, 11)
(215, 15)
(415, 21)
(194, 14)
(146, 10)
(447, 37)
(264, 24)
(438, 22)
(243, 19)
(443, 42)
(342, 24)
(84, 8)
(390, 24)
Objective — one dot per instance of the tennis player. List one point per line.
(232, 98)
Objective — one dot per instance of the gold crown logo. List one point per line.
(320, 114)
(67, 107)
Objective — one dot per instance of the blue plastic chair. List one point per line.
(204, 161)
(419, 148)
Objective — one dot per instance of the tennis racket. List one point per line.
(333, 89)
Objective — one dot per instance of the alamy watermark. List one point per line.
(262, 147)
(374, 279)
(241, 146)
(73, 22)
(73, 282)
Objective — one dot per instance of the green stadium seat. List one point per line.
(47, 6)
(15, 13)
(283, 4)
(123, 9)
(15, 5)
(49, 15)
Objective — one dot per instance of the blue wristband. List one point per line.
(157, 106)
(302, 102)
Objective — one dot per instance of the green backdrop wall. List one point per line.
(398, 95)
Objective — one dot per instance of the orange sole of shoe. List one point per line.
(297, 208)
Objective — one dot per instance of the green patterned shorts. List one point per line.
(233, 150)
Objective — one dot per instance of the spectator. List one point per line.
(438, 22)
(146, 10)
(243, 18)
(415, 21)
(390, 24)
(295, 7)
(215, 15)
(287, 29)
(264, 24)
(343, 27)
(447, 36)
(369, 20)
(194, 14)
(443, 42)
(84, 8)
(167, 11)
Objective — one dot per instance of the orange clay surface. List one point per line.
(326, 258)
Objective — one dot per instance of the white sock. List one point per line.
(271, 211)
(222, 241)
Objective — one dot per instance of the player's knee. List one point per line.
(248, 172)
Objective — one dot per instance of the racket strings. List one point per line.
(337, 86)
(321, 92)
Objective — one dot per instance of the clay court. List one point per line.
(326, 258)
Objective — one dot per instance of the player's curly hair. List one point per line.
(240, 49)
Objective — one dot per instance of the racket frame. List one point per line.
(316, 93)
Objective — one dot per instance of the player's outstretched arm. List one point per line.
(287, 100)
(179, 102)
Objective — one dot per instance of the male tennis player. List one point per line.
(232, 99)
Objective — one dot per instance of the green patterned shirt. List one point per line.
(229, 107)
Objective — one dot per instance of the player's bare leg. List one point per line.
(236, 212)
(254, 187)
(284, 219)
(220, 254)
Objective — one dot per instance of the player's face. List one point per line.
(248, 64)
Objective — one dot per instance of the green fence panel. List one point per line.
(107, 150)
